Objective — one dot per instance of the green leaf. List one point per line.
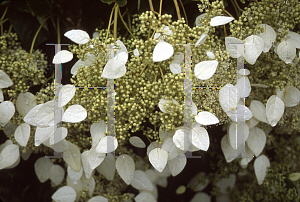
(294, 176)
(26, 27)
(121, 3)
(107, 1)
(41, 8)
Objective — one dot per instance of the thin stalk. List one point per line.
(1, 20)
(187, 22)
(36, 34)
(10, 27)
(238, 6)
(58, 30)
(143, 70)
(177, 9)
(124, 24)
(225, 31)
(116, 22)
(235, 8)
(228, 13)
(128, 18)
(162, 75)
(160, 7)
(151, 6)
(110, 18)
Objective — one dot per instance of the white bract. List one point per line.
(198, 136)
(201, 40)
(256, 140)
(115, 68)
(140, 181)
(243, 72)
(144, 197)
(286, 51)
(5, 81)
(162, 51)
(210, 55)
(198, 24)
(64, 194)
(201, 196)
(176, 165)
(72, 157)
(9, 156)
(237, 134)
(163, 102)
(125, 166)
(136, 52)
(244, 87)
(181, 138)
(205, 70)
(269, 36)
(232, 44)
(206, 118)
(97, 131)
(74, 114)
(220, 20)
(253, 48)
(63, 56)
(22, 134)
(289, 95)
(7, 110)
(137, 142)
(274, 110)
(107, 144)
(78, 36)
(261, 164)
(240, 114)
(25, 102)
(60, 134)
(66, 94)
(258, 110)
(175, 68)
(294, 38)
(158, 158)
(108, 167)
(42, 168)
(75, 176)
(1, 96)
(98, 199)
(91, 59)
(57, 174)
(229, 97)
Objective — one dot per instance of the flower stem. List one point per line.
(1, 20)
(110, 18)
(125, 24)
(116, 22)
(177, 9)
(187, 22)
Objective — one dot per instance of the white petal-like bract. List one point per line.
(220, 20)
(57, 174)
(198, 136)
(78, 36)
(269, 36)
(25, 102)
(137, 142)
(176, 165)
(244, 87)
(66, 94)
(256, 140)
(175, 68)
(9, 156)
(72, 157)
(238, 133)
(108, 167)
(158, 158)
(7, 110)
(274, 110)
(125, 166)
(144, 197)
(232, 44)
(261, 164)
(107, 144)
(5, 81)
(258, 110)
(42, 168)
(286, 51)
(62, 57)
(97, 131)
(205, 70)
(253, 48)
(162, 51)
(140, 181)
(201, 40)
(206, 118)
(98, 199)
(229, 97)
(74, 114)
(22, 134)
(64, 194)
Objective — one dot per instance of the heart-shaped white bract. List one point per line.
(220, 20)
(7, 110)
(125, 166)
(274, 110)
(64, 194)
(286, 51)
(261, 164)
(206, 118)
(115, 68)
(5, 81)
(66, 94)
(78, 36)
(63, 56)
(253, 48)
(269, 36)
(25, 102)
(232, 44)
(201, 40)
(205, 70)
(158, 158)
(162, 51)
